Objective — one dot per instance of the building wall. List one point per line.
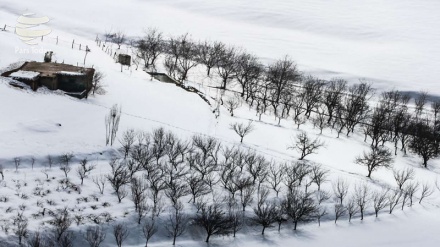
(124, 59)
(49, 82)
(71, 83)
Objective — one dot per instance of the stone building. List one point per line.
(75, 81)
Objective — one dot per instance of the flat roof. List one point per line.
(31, 75)
(50, 69)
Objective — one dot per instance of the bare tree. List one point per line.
(232, 104)
(138, 193)
(97, 85)
(50, 161)
(187, 59)
(340, 188)
(149, 229)
(333, 96)
(299, 206)
(362, 197)
(100, 182)
(282, 75)
(305, 146)
(380, 200)
(377, 157)
(127, 141)
(214, 221)
(313, 92)
(352, 208)
(120, 232)
(265, 215)
(340, 211)
(178, 221)
(17, 163)
(112, 124)
(379, 124)
(426, 191)
(66, 158)
(197, 186)
(420, 102)
(424, 141)
(249, 71)
(294, 174)
(246, 195)
(322, 196)
(319, 175)
(118, 178)
(65, 167)
(275, 176)
(241, 129)
(280, 215)
(205, 158)
(45, 171)
(94, 235)
(403, 176)
(355, 105)
(321, 212)
(84, 169)
(21, 226)
(394, 199)
(61, 220)
(66, 239)
(411, 190)
(320, 120)
(32, 162)
(150, 47)
(118, 38)
(209, 53)
(227, 65)
(176, 186)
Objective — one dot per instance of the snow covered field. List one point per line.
(391, 43)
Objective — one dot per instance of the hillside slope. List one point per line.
(355, 45)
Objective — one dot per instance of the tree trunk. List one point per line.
(207, 238)
(224, 84)
(262, 232)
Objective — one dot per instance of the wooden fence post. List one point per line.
(4, 28)
(73, 42)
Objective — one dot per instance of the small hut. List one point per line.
(122, 58)
(75, 81)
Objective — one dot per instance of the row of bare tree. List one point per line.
(281, 89)
(168, 178)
